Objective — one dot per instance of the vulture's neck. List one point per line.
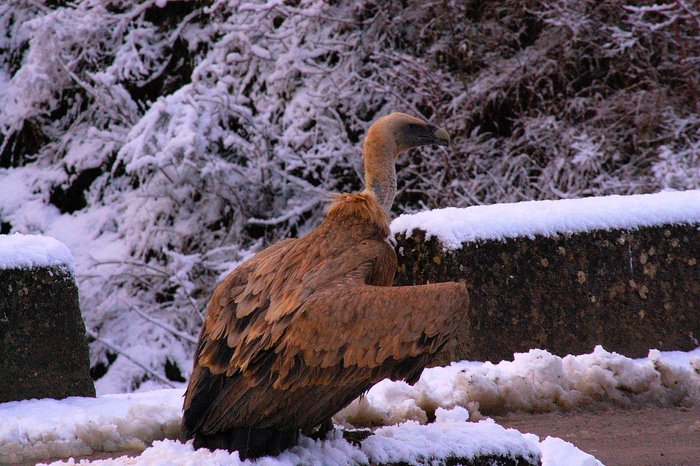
(380, 174)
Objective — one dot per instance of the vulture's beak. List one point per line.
(433, 135)
(422, 134)
(437, 136)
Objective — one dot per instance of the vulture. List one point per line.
(304, 327)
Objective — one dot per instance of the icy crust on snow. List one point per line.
(536, 381)
(409, 442)
(37, 429)
(453, 226)
(28, 251)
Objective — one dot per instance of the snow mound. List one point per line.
(556, 452)
(37, 429)
(453, 226)
(27, 251)
(409, 443)
(536, 381)
(451, 436)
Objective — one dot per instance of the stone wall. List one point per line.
(628, 290)
(43, 351)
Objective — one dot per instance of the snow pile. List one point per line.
(409, 443)
(38, 429)
(558, 452)
(536, 381)
(454, 226)
(27, 251)
(449, 436)
(533, 381)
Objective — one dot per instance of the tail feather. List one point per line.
(249, 442)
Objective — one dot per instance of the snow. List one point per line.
(408, 442)
(28, 251)
(556, 452)
(453, 226)
(534, 381)
(36, 429)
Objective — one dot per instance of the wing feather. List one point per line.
(398, 321)
(301, 321)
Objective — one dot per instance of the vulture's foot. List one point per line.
(356, 436)
(320, 431)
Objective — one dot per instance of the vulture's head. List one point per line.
(398, 132)
(386, 139)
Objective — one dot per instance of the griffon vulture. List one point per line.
(298, 331)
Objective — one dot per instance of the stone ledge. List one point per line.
(628, 290)
(43, 350)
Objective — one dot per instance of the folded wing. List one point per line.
(292, 353)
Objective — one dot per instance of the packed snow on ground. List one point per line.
(27, 251)
(536, 381)
(409, 442)
(533, 381)
(38, 429)
(453, 226)
(558, 452)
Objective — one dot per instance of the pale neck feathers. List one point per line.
(379, 153)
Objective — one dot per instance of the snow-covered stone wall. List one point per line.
(43, 350)
(564, 275)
